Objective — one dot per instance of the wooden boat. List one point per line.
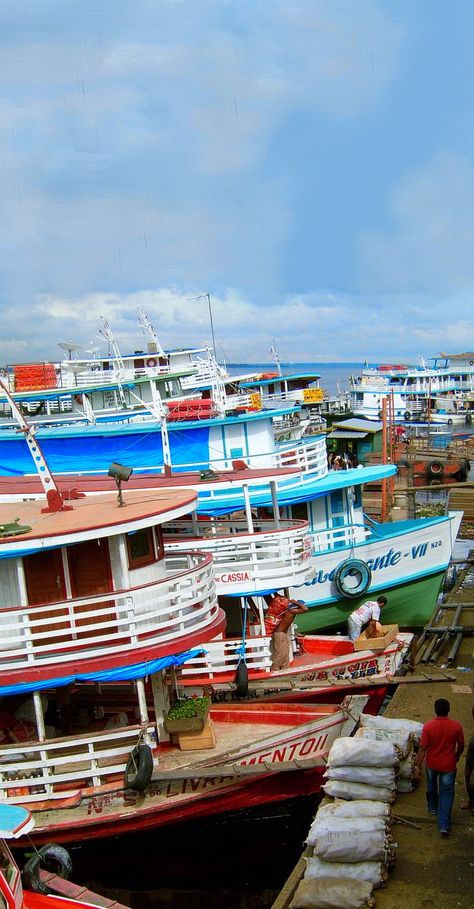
(261, 754)
(17, 822)
(322, 663)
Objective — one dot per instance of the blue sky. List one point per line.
(308, 163)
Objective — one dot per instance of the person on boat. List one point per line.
(442, 742)
(279, 617)
(366, 616)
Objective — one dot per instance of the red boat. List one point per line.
(16, 822)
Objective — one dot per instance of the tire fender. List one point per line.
(434, 469)
(49, 857)
(407, 415)
(241, 680)
(352, 567)
(139, 769)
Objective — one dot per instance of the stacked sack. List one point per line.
(405, 735)
(350, 838)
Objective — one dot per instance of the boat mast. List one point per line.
(120, 371)
(149, 331)
(275, 357)
(53, 496)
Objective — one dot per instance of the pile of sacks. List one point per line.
(350, 838)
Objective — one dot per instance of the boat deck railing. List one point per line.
(38, 771)
(268, 557)
(159, 612)
(223, 657)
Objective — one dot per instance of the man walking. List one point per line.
(442, 742)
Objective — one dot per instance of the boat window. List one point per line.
(140, 548)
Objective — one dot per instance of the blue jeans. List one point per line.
(440, 795)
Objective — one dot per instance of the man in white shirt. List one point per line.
(368, 613)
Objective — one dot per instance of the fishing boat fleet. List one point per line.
(149, 505)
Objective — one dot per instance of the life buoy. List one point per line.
(434, 469)
(359, 574)
(52, 858)
(139, 769)
(151, 362)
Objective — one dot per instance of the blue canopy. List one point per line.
(121, 674)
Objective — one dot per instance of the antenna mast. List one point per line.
(275, 356)
(149, 331)
(120, 371)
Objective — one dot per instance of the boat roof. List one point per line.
(30, 485)
(357, 426)
(44, 394)
(90, 517)
(312, 376)
(14, 821)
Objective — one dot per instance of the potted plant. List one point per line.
(187, 715)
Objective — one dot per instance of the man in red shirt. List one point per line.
(442, 741)
(279, 618)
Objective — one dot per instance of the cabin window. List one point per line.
(141, 548)
(236, 452)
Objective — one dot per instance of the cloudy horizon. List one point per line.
(308, 165)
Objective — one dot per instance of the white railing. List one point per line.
(339, 537)
(309, 456)
(223, 656)
(269, 557)
(36, 771)
(183, 603)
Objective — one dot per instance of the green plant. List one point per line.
(186, 708)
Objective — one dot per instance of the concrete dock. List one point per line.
(431, 871)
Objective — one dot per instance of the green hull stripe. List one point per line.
(409, 606)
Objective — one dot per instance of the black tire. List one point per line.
(352, 567)
(403, 463)
(241, 680)
(139, 769)
(449, 421)
(464, 467)
(50, 857)
(435, 469)
(407, 415)
(468, 419)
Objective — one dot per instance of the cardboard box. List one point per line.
(363, 642)
(195, 741)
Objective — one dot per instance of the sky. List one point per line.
(308, 164)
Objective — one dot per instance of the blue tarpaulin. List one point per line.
(122, 674)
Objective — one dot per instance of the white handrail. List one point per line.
(129, 619)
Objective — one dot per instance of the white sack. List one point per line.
(373, 872)
(341, 790)
(323, 825)
(361, 808)
(403, 740)
(406, 768)
(374, 776)
(328, 892)
(382, 722)
(340, 846)
(362, 753)
(404, 786)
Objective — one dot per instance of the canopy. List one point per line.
(121, 674)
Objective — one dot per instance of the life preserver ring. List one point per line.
(139, 769)
(52, 858)
(434, 469)
(359, 574)
(151, 362)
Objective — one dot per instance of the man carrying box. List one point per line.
(366, 615)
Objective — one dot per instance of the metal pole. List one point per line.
(248, 510)
(39, 716)
(276, 507)
(212, 324)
